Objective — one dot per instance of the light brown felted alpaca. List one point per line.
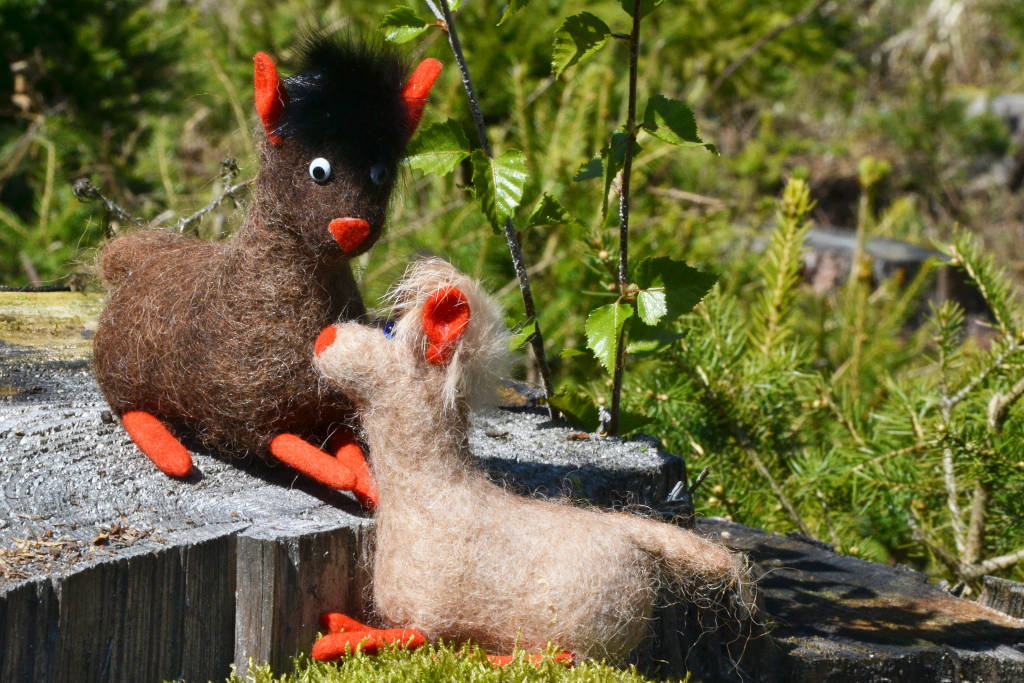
(458, 557)
(210, 341)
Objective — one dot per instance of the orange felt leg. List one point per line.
(159, 445)
(347, 451)
(337, 645)
(311, 461)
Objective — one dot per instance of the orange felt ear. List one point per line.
(270, 94)
(445, 316)
(416, 90)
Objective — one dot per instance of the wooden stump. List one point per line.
(111, 571)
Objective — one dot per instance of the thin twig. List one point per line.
(994, 564)
(758, 44)
(776, 489)
(231, 192)
(30, 270)
(976, 524)
(443, 12)
(909, 450)
(700, 479)
(997, 364)
(20, 148)
(941, 553)
(86, 192)
(693, 197)
(952, 502)
(467, 81)
(627, 170)
(1000, 405)
(548, 257)
(828, 518)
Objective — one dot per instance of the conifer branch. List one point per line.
(998, 363)
(909, 450)
(745, 442)
(940, 553)
(991, 282)
(781, 265)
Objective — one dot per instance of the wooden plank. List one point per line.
(1003, 595)
(28, 634)
(150, 616)
(288, 574)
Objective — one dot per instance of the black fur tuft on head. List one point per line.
(347, 100)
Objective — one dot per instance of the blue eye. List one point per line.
(389, 329)
(378, 174)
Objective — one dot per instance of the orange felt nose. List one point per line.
(325, 339)
(349, 233)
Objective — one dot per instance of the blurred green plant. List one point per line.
(820, 411)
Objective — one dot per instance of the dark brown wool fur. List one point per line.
(215, 339)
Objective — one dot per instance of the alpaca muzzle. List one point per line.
(349, 233)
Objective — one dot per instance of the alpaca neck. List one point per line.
(271, 251)
(418, 457)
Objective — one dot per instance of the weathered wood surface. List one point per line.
(838, 618)
(111, 571)
(1005, 596)
(293, 574)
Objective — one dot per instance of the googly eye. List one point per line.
(378, 174)
(320, 170)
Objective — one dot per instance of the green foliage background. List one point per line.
(827, 412)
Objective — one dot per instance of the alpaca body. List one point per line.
(473, 561)
(214, 331)
(459, 557)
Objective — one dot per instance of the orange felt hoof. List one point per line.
(311, 461)
(349, 454)
(349, 233)
(335, 622)
(159, 445)
(337, 645)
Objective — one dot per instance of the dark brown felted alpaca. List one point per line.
(211, 341)
(458, 557)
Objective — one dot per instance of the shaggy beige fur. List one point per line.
(460, 558)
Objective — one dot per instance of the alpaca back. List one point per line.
(215, 338)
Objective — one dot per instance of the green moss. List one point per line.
(440, 663)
